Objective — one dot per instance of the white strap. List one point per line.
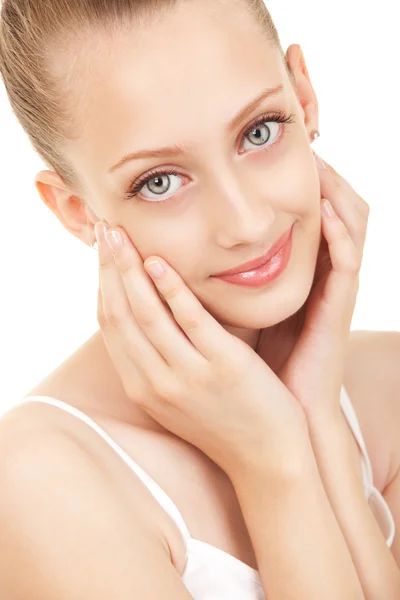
(159, 494)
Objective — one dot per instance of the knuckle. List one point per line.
(142, 400)
(364, 225)
(116, 319)
(102, 320)
(124, 264)
(338, 182)
(138, 392)
(172, 291)
(167, 391)
(113, 320)
(145, 317)
(191, 320)
(105, 260)
(354, 265)
(365, 208)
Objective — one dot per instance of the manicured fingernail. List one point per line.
(114, 240)
(320, 163)
(100, 229)
(327, 209)
(155, 269)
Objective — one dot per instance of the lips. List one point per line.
(261, 260)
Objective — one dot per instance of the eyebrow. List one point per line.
(173, 151)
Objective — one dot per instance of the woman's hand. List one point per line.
(314, 370)
(187, 372)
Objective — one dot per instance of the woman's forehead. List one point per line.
(179, 72)
(189, 40)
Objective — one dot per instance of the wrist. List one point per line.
(280, 466)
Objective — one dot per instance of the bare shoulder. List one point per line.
(372, 380)
(63, 522)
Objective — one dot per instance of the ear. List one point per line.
(303, 87)
(70, 210)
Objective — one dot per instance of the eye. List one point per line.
(261, 133)
(158, 182)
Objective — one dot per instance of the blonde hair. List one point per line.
(37, 37)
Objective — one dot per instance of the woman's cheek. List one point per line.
(176, 242)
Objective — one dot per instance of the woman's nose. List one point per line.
(239, 218)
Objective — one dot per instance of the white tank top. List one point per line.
(212, 573)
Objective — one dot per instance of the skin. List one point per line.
(228, 198)
(234, 198)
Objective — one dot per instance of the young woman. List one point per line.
(183, 127)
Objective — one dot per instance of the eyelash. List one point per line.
(278, 117)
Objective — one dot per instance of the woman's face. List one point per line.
(180, 82)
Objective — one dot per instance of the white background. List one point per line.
(49, 281)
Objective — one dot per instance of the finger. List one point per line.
(328, 175)
(344, 255)
(204, 337)
(342, 283)
(123, 363)
(130, 346)
(154, 319)
(349, 206)
(205, 333)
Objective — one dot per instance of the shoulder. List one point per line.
(372, 380)
(59, 508)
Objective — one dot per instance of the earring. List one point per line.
(315, 135)
(95, 245)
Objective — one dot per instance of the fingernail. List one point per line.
(100, 229)
(114, 240)
(320, 163)
(327, 209)
(155, 269)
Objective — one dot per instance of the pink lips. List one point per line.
(264, 269)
